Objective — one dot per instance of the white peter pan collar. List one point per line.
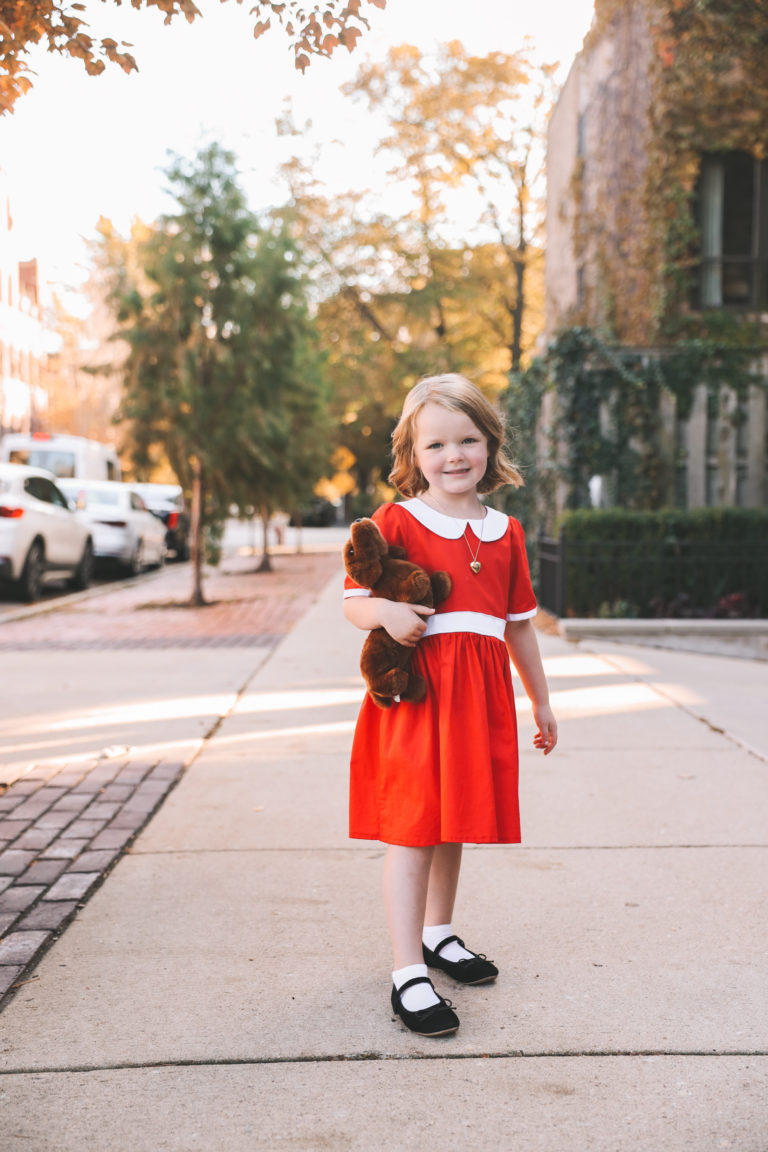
(491, 528)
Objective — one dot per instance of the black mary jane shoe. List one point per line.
(437, 1020)
(475, 969)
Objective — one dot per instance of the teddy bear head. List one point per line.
(364, 552)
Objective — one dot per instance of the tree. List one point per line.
(280, 467)
(474, 123)
(407, 297)
(220, 358)
(312, 29)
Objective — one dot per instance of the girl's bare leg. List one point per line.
(406, 878)
(441, 897)
(443, 882)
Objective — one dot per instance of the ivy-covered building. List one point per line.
(657, 258)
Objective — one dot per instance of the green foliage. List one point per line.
(521, 406)
(695, 82)
(222, 374)
(705, 562)
(607, 404)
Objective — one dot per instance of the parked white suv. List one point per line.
(41, 538)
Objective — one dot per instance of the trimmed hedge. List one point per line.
(707, 562)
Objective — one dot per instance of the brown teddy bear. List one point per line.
(372, 563)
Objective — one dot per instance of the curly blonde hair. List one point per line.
(457, 394)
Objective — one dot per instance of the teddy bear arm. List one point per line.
(409, 584)
(441, 586)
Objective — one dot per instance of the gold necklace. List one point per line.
(474, 563)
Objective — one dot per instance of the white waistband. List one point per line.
(478, 622)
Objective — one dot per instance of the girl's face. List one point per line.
(450, 450)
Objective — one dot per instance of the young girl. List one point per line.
(427, 777)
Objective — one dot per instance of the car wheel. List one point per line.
(84, 571)
(31, 582)
(136, 562)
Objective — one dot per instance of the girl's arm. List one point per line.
(405, 623)
(523, 648)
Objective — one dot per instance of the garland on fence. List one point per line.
(607, 411)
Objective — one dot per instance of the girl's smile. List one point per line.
(452, 455)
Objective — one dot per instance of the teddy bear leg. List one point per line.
(415, 690)
(390, 683)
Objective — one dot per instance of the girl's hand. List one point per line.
(546, 736)
(406, 623)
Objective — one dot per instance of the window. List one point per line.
(61, 463)
(40, 488)
(732, 213)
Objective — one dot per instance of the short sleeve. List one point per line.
(522, 600)
(388, 520)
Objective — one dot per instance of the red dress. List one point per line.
(446, 769)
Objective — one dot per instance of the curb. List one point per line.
(745, 639)
(68, 598)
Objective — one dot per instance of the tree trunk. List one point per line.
(516, 350)
(266, 560)
(196, 533)
(520, 264)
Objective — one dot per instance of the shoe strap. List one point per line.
(448, 940)
(415, 980)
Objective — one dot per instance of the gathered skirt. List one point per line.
(444, 770)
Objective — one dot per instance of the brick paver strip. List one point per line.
(13, 863)
(10, 829)
(72, 886)
(20, 947)
(18, 899)
(43, 872)
(8, 977)
(51, 914)
(59, 855)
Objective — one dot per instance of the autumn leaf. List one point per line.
(22, 25)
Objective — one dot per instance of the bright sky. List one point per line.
(78, 147)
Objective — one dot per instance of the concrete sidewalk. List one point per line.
(227, 987)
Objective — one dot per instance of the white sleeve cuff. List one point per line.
(522, 615)
(357, 592)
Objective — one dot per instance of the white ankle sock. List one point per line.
(434, 933)
(421, 995)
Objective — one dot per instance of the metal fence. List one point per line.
(674, 578)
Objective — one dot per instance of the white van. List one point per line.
(65, 456)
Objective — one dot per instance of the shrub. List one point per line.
(705, 562)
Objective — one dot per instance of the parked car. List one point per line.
(41, 538)
(316, 513)
(167, 502)
(62, 455)
(124, 530)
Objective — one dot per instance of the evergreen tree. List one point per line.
(221, 362)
